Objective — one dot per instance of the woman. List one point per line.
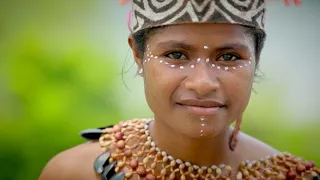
(198, 60)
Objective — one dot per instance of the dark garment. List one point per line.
(101, 164)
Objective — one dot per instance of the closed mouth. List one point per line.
(200, 103)
(202, 108)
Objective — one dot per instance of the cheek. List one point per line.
(238, 87)
(160, 84)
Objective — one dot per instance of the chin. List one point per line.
(202, 129)
(205, 134)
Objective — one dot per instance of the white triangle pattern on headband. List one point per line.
(153, 13)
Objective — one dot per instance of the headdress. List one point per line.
(154, 13)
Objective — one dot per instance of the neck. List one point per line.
(199, 151)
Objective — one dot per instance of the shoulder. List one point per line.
(75, 163)
(254, 148)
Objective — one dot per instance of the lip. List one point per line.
(202, 111)
(201, 107)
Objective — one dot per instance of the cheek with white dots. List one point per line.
(150, 57)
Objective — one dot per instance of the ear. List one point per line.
(136, 54)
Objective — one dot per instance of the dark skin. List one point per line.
(165, 87)
(175, 129)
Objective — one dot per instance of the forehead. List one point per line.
(202, 34)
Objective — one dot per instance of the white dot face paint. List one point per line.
(202, 124)
(188, 64)
(216, 63)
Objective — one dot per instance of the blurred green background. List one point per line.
(61, 68)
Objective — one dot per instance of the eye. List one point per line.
(176, 55)
(228, 57)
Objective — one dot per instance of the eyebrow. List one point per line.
(175, 44)
(183, 45)
(233, 46)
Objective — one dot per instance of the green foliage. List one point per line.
(266, 120)
(49, 98)
(55, 83)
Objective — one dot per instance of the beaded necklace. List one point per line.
(166, 157)
(136, 155)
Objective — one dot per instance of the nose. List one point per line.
(202, 80)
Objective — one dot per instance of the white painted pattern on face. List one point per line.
(212, 64)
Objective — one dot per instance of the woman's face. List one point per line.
(198, 77)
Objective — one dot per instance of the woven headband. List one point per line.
(154, 13)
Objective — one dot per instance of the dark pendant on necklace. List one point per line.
(119, 176)
(91, 134)
(101, 162)
(108, 171)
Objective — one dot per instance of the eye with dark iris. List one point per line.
(228, 57)
(176, 55)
